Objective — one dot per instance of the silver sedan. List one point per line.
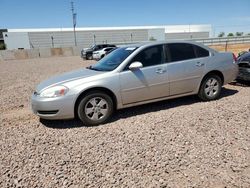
(135, 75)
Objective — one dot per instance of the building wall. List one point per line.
(64, 37)
(17, 40)
(85, 38)
(186, 35)
(157, 34)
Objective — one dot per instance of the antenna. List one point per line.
(73, 19)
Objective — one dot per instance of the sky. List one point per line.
(223, 15)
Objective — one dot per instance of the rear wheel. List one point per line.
(210, 87)
(95, 108)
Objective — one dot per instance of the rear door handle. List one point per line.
(199, 64)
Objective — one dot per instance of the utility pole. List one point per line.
(52, 41)
(74, 20)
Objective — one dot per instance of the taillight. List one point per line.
(235, 58)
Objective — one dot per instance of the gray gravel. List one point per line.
(176, 143)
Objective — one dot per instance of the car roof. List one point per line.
(247, 54)
(105, 45)
(108, 47)
(148, 44)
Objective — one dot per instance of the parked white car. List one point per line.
(99, 54)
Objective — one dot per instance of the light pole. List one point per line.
(94, 39)
(74, 20)
(52, 41)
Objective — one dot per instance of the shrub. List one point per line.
(239, 34)
(2, 46)
(221, 34)
(152, 39)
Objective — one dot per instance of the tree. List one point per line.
(2, 46)
(221, 34)
(230, 35)
(238, 34)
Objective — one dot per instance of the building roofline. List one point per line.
(167, 28)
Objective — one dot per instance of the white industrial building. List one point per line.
(85, 37)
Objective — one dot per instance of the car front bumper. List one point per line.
(53, 108)
(244, 74)
(83, 55)
(96, 56)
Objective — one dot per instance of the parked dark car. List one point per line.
(244, 67)
(88, 53)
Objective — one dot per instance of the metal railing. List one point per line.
(223, 40)
(205, 41)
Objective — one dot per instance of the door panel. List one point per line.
(186, 66)
(144, 84)
(185, 76)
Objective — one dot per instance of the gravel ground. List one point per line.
(176, 143)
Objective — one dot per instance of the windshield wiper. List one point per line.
(93, 68)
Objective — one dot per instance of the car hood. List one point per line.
(70, 76)
(85, 49)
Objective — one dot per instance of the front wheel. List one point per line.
(210, 88)
(95, 108)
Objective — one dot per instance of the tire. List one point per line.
(95, 108)
(210, 88)
(102, 56)
(89, 57)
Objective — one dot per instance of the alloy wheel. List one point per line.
(211, 87)
(96, 108)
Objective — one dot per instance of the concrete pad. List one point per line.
(7, 55)
(20, 54)
(77, 50)
(44, 52)
(67, 51)
(56, 51)
(33, 53)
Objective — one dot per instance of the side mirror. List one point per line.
(135, 65)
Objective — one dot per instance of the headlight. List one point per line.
(56, 91)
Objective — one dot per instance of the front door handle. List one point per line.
(199, 64)
(160, 71)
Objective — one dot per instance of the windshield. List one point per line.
(113, 60)
(92, 47)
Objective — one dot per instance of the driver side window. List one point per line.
(150, 56)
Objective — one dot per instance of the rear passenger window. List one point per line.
(181, 51)
(201, 52)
